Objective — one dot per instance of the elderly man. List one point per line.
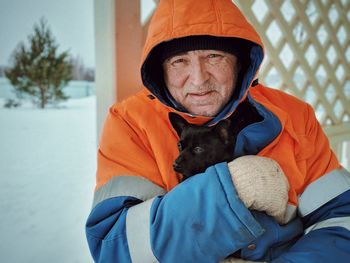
(200, 60)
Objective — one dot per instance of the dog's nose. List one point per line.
(176, 166)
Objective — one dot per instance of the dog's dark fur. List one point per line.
(203, 146)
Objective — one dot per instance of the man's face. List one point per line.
(202, 81)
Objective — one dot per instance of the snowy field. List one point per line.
(47, 174)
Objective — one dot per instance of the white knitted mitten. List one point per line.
(261, 185)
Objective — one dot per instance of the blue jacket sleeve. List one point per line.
(328, 239)
(200, 220)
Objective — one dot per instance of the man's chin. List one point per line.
(207, 111)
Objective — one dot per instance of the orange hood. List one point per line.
(181, 18)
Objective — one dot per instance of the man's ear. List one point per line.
(177, 122)
(223, 129)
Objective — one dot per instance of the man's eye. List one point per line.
(214, 55)
(198, 150)
(178, 61)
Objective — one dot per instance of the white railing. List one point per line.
(308, 55)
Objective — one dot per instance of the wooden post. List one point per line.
(105, 79)
(128, 47)
(118, 47)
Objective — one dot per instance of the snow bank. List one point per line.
(47, 174)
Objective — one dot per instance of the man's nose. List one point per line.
(199, 74)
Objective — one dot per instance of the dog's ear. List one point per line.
(223, 129)
(177, 122)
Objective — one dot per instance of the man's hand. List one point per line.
(261, 185)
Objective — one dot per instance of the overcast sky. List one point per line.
(71, 22)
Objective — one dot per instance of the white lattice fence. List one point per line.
(308, 54)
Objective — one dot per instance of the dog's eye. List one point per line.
(198, 150)
(179, 146)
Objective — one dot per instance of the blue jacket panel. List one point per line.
(201, 217)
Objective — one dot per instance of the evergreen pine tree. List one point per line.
(39, 70)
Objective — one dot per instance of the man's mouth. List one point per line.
(200, 94)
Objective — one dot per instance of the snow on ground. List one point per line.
(47, 175)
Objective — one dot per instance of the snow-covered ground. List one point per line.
(47, 174)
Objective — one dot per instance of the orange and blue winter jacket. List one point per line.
(141, 211)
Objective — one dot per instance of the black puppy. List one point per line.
(203, 146)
